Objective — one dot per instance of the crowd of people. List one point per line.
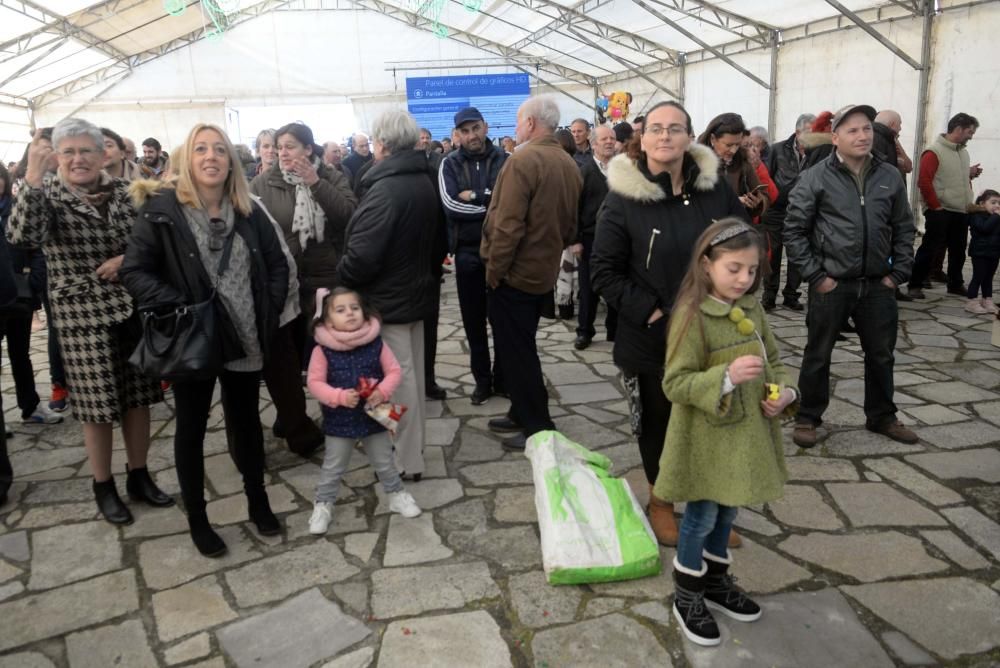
(325, 265)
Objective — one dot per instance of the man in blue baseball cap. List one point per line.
(466, 181)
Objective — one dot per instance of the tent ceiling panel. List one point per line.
(14, 23)
(68, 61)
(579, 39)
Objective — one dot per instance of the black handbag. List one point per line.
(183, 342)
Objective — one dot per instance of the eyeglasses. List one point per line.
(217, 236)
(675, 130)
(85, 153)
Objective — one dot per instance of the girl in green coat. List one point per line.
(723, 446)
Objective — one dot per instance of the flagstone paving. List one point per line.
(880, 554)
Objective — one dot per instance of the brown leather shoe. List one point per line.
(734, 539)
(896, 431)
(804, 434)
(661, 519)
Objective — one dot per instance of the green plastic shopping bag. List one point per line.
(592, 527)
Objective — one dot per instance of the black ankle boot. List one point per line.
(204, 536)
(690, 611)
(140, 487)
(259, 510)
(722, 594)
(110, 504)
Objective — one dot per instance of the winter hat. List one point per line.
(823, 122)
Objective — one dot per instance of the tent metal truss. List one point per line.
(59, 26)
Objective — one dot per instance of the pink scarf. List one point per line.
(335, 339)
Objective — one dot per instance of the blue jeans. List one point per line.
(377, 446)
(706, 526)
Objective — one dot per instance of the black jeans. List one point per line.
(873, 307)
(17, 331)
(57, 372)
(515, 316)
(942, 229)
(193, 401)
(470, 277)
(983, 271)
(775, 246)
(6, 472)
(655, 417)
(589, 299)
(284, 383)
(431, 339)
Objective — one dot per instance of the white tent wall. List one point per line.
(169, 123)
(15, 132)
(964, 79)
(849, 66)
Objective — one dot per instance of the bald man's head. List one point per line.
(890, 119)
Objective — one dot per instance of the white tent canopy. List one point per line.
(132, 66)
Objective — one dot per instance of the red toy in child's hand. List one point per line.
(366, 386)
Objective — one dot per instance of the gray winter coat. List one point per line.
(842, 226)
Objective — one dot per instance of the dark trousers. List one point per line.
(515, 316)
(655, 417)
(470, 277)
(17, 331)
(6, 472)
(57, 373)
(283, 378)
(193, 401)
(942, 230)
(983, 271)
(431, 339)
(775, 246)
(589, 299)
(872, 305)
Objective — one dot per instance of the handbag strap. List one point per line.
(227, 250)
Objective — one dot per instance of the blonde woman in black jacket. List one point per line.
(173, 257)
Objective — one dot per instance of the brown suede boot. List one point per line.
(661, 519)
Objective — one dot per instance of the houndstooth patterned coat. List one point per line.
(89, 313)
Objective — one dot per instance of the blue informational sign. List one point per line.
(435, 100)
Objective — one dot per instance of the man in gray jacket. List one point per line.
(849, 229)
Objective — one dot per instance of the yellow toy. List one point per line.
(773, 391)
(618, 103)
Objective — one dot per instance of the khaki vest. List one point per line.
(951, 182)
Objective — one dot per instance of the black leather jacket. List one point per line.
(844, 227)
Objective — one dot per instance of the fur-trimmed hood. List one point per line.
(813, 139)
(143, 189)
(626, 179)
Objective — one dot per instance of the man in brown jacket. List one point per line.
(531, 219)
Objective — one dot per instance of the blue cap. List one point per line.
(468, 114)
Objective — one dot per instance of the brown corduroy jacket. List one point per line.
(532, 217)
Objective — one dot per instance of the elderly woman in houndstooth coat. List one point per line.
(80, 217)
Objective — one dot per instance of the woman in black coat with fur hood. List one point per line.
(663, 192)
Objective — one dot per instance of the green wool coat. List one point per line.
(721, 447)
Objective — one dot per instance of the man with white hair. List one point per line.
(361, 153)
(886, 146)
(531, 219)
(762, 141)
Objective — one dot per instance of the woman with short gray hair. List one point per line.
(81, 217)
(394, 247)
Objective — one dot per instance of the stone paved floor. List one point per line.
(880, 554)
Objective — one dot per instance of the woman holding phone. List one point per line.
(724, 135)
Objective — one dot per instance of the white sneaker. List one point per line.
(401, 502)
(974, 306)
(320, 520)
(988, 305)
(43, 415)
